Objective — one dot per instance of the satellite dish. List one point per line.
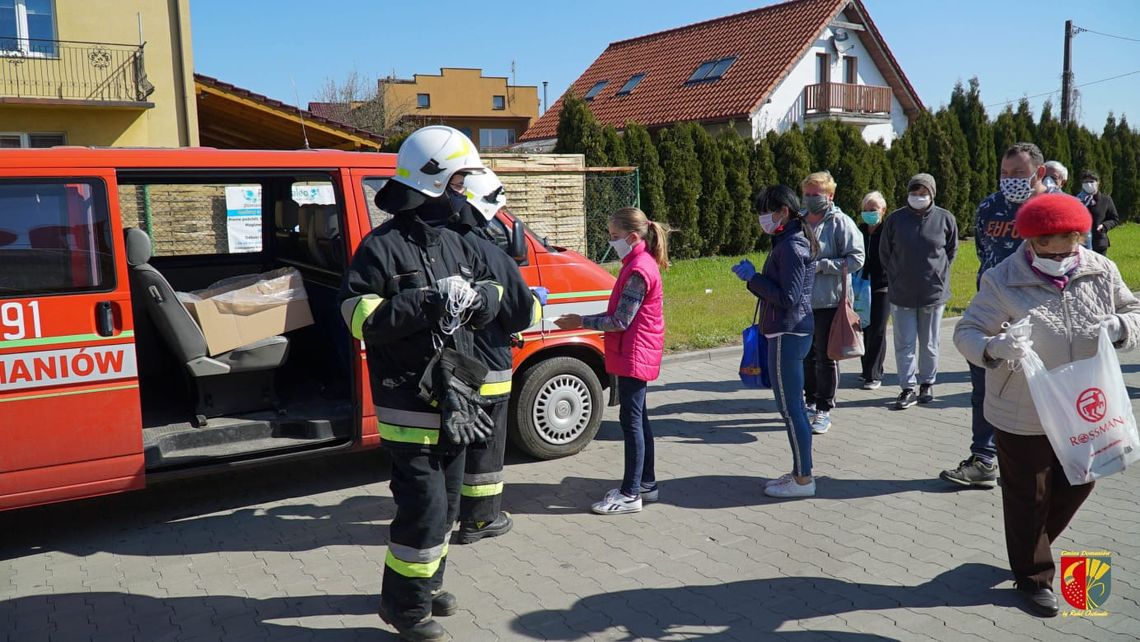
(842, 41)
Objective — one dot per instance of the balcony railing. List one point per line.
(73, 71)
(842, 98)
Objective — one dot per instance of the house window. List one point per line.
(851, 70)
(596, 89)
(498, 102)
(495, 138)
(630, 84)
(822, 68)
(423, 101)
(17, 140)
(27, 27)
(711, 70)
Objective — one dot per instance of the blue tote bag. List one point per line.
(754, 361)
(862, 300)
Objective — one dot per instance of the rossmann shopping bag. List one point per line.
(754, 361)
(862, 303)
(1085, 410)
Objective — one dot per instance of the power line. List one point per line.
(1101, 33)
(1057, 91)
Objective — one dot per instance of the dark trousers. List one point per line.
(426, 490)
(821, 375)
(1037, 502)
(634, 418)
(874, 336)
(482, 493)
(982, 444)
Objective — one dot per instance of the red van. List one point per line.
(102, 381)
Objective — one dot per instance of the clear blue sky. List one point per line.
(1014, 48)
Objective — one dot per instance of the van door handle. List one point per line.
(104, 319)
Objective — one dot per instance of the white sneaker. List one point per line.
(649, 495)
(820, 423)
(791, 489)
(616, 503)
(779, 480)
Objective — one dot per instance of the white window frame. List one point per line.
(25, 47)
(26, 137)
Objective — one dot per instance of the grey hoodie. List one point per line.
(916, 250)
(840, 243)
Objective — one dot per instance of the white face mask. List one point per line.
(622, 247)
(1089, 187)
(1053, 267)
(917, 202)
(768, 224)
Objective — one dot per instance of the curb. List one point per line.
(701, 355)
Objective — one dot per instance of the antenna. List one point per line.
(300, 114)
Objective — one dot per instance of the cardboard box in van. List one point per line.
(244, 309)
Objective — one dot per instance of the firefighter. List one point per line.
(412, 294)
(480, 506)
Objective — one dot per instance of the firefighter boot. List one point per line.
(425, 630)
(443, 604)
(471, 531)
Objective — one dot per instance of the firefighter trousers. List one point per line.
(482, 498)
(426, 490)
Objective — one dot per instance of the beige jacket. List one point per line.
(1063, 327)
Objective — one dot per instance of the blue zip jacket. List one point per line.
(784, 285)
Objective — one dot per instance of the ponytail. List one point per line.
(656, 235)
(809, 233)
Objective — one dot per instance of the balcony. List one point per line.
(857, 104)
(65, 73)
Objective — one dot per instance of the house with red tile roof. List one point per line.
(797, 62)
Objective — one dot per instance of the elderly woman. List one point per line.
(874, 210)
(1068, 293)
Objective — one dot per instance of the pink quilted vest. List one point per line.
(637, 351)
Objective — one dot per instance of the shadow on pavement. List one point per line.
(749, 609)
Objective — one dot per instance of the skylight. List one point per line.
(596, 89)
(711, 70)
(630, 84)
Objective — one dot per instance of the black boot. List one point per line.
(471, 531)
(1040, 600)
(444, 604)
(425, 630)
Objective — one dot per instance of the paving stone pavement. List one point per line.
(885, 551)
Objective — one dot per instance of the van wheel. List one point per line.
(558, 408)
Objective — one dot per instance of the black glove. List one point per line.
(454, 385)
(435, 304)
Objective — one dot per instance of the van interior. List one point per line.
(278, 395)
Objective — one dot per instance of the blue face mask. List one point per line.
(871, 218)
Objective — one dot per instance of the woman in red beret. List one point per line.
(1068, 293)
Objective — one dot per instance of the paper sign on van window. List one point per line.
(243, 218)
(319, 194)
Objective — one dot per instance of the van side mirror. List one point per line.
(518, 249)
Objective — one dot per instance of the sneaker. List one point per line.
(906, 399)
(471, 531)
(443, 604)
(791, 488)
(617, 503)
(425, 630)
(972, 472)
(820, 423)
(926, 393)
(872, 384)
(649, 494)
(779, 480)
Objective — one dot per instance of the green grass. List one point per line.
(706, 306)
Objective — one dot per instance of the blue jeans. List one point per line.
(786, 368)
(638, 436)
(982, 445)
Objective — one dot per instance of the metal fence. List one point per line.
(63, 70)
(606, 190)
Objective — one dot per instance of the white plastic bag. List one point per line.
(1086, 413)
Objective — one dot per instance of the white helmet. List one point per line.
(485, 193)
(431, 155)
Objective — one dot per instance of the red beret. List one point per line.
(1052, 214)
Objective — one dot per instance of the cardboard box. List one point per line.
(244, 309)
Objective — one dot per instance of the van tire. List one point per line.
(558, 408)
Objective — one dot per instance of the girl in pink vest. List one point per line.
(634, 325)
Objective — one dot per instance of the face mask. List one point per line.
(917, 202)
(768, 224)
(1016, 190)
(871, 218)
(622, 247)
(1089, 187)
(817, 203)
(1055, 268)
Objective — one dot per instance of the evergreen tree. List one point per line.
(825, 144)
(1054, 142)
(882, 173)
(1005, 135)
(743, 228)
(579, 132)
(957, 195)
(971, 113)
(1023, 120)
(682, 190)
(614, 147)
(762, 164)
(853, 171)
(715, 204)
(793, 161)
(1126, 170)
(641, 153)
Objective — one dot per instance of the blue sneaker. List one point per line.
(820, 423)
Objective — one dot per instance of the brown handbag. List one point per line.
(845, 339)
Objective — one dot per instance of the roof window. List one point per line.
(711, 70)
(596, 89)
(630, 84)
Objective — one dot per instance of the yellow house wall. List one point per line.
(462, 93)
(172, 122)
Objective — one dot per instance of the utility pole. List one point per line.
(1067, 74)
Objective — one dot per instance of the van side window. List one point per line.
(376, 215)
(55, 236)
(307, 226)
(188, 219)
